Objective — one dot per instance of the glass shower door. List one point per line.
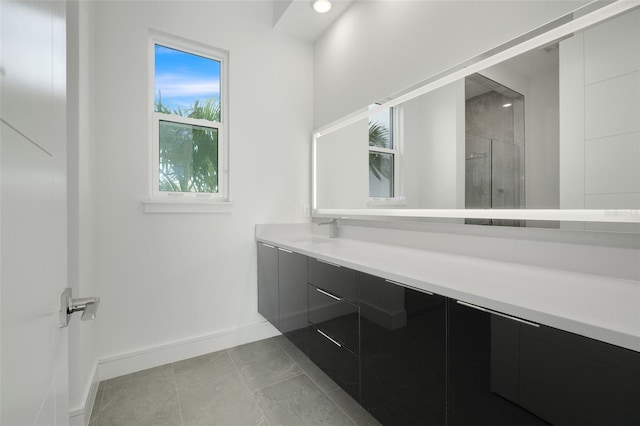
(505, 186)
(492, 170)
(478, 191)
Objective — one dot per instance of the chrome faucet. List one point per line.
(333, 227)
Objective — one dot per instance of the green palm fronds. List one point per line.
(189, 153)
(379, 137)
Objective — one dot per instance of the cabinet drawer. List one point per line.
(335, 279)
(335, 316)
(342, 365)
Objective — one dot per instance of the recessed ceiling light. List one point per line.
(506, 105)
(321, 6)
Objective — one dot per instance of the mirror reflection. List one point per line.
(557, 127)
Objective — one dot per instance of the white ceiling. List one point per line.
(535, 61)
(528, 64)
(297, 18)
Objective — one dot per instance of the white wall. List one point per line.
(168, 278)
(377, 48)
(599, 111)
(343, 156)
(433, 149)
(543, 139)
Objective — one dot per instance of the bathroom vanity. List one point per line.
(419, 337)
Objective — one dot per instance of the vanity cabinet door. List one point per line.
(483, 376)
(573, 380)
(338, 362)
(292, 297)
(268, 283)
(403, 353)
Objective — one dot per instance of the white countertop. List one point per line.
(602, 308)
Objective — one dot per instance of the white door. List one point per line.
(33, 250)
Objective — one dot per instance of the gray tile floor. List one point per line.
(269, 382)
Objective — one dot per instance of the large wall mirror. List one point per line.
(546, 128)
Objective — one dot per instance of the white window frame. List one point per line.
(166, 201)
(157, 118)
(396, 142)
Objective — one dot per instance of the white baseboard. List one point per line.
(81, 416)
(131, 362)
(119, 365)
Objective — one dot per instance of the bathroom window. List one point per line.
(383, 154)
(189, 116)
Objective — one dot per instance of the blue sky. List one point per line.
(183, 77)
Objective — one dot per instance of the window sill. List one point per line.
(400, 201)
(186, 206)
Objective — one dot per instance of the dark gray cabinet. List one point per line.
(572, 380)
(335, 316)
(334, 278)
(482, 373)
(268, 283)
(336, 360)
(282, 291)
(411, 357)
(504, 372)
(403, 353)
(334, 323)
(292, 296)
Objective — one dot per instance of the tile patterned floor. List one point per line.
(267, 383)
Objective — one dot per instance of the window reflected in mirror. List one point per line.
(382, 153)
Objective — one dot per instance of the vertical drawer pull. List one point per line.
(332, 341)
(267, 245)
(326, 293)
(329, 263)
(285, 250)
(469, 305)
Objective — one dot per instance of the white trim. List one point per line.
(154, 356)
(398, 145)
(155, 191)
(382, 150)
(200, 204)
(395, 151)
(200, 49)
(395, 201)
(610, 215)
(82, 415)
(314, 172)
